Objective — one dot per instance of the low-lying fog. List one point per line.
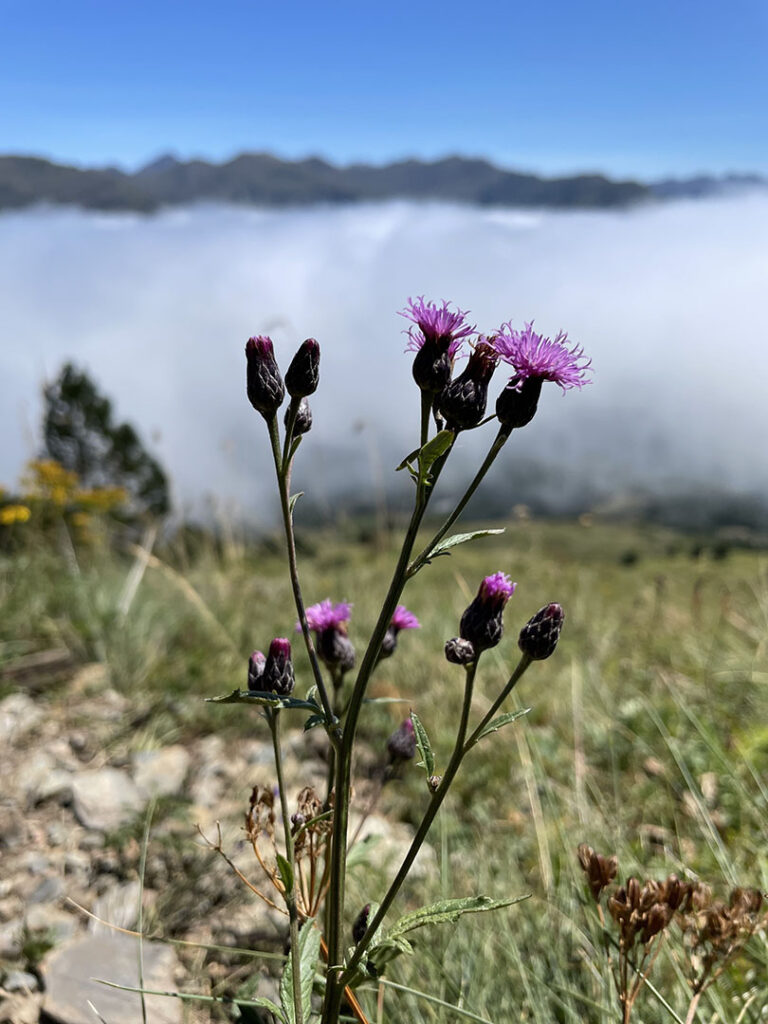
(668, 300)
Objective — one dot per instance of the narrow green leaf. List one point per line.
(446, 911)
(292, 501)
(498, 723)
(313, 721)
(267, 1004)
(425, 747)
(269, 700)
(294, 447)
(406, 463)
(386, 700)
(460, 538)
(286, 872)
(432, 451)
(309, 950)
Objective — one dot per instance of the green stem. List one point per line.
(426, 408)
(421, 834)
(284, 482)
(522, 665)
(498, 444)
(293, 410)
(273, 718)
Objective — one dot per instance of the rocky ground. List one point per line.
(74, 805)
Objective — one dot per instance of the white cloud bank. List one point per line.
(668, 300)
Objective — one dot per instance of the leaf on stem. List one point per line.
(268, 700)
(313, 721)
(427, 761)
(292, 501)
(286, 872)
(446, 911)
(460, 538)
(501, 721)
(309, 950)
(432, 451)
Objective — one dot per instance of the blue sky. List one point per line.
(640, 89)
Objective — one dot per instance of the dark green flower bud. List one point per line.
(266, 390)
(539, 636)
(303, 374)
(517, 404)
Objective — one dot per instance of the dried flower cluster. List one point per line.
(709, 935)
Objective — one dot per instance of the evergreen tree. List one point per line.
(79, 432)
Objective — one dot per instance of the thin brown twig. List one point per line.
(218, 848)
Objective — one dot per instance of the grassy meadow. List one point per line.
(647, 735)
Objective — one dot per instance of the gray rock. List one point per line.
(21, 1009)
(69, 975)
(118, 905)
(160, 772)
(105, 799)
(57, 924)
(48, 890)
(11, 936)
(18, 715)
(20, 981)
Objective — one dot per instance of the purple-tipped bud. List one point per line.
(329, 621)
(436, 336)
(402, 619)
(303, 421)
(482, 623)
(459, 652)
(463, 401)
(539, 636)
(303, 374)
(256, 664)
(278, 672)
(401, 745)
(517, 404)
(361, 923)
(266, 390)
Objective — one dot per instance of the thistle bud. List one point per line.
(538, 637)
(516, 405)
(266, 390)
(459, 652)
(401, 619)
(303, 421)
(256, 664)
(463, 401)
(482, 623)
(401, 745)
(303, 374)
(278, 671)
(361, 924)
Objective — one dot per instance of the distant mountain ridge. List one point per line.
(265, 180)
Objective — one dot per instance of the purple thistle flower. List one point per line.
(403, 619)
(329, 620)
(435, 323)
(256, 664)
(326, 615)
(482, 623)
(534, 356)
(278, 676)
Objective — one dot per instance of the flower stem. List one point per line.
(522, 665)
(438, 796)
(273, 718)
(494, 450)
(283, 482)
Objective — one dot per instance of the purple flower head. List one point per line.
(326, 615)
(534, 356)
(435, 323)
(481, 624)
(538, 637)
(264, 384)
(496, 590)
(403, 619)
(278, 674)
